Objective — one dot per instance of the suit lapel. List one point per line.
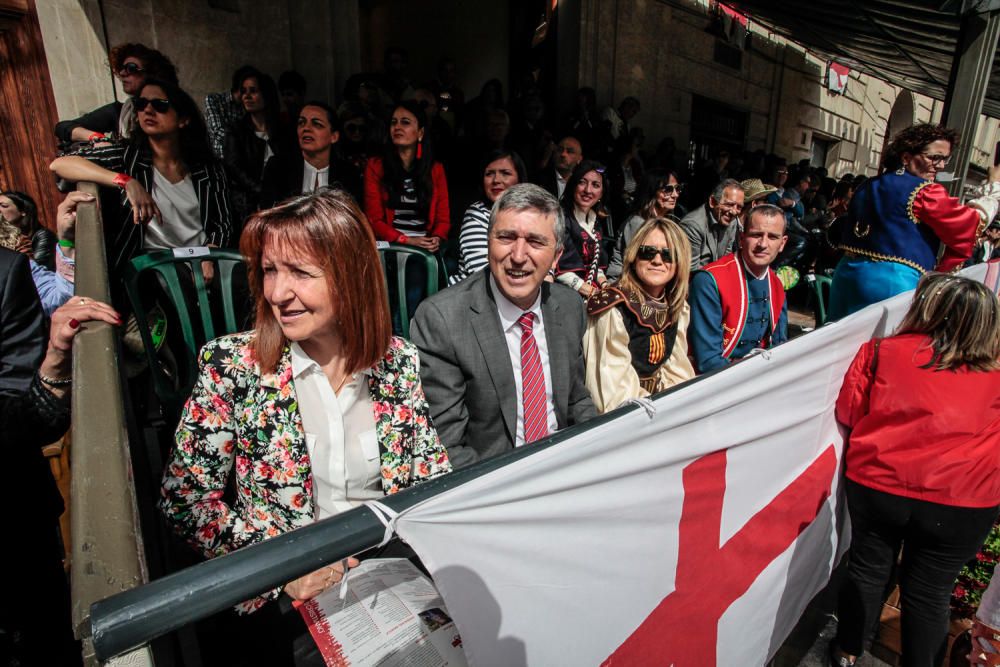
(555, 338)
(490, 337)
(200, 179)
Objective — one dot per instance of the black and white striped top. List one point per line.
(473, 241)
(408, 219)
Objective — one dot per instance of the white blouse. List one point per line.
(180, 225)
(340, 437)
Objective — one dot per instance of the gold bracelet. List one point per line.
(56, 382)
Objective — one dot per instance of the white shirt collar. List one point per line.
(303, 364)
(509, 313)
(751, 273)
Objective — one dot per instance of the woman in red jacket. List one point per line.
(923, 409)
(406, 199)
(406, 194)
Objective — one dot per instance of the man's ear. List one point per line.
(555, 261)
(711, 202)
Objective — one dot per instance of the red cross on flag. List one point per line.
(837, 76)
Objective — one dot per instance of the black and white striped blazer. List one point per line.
(123, 238)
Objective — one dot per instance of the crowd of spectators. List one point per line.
(586, 272)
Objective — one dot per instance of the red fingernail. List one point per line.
(74, 323)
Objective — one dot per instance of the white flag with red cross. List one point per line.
(693, 536)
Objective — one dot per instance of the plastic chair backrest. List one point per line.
(821, 288)
(394, 258)
(194, 316)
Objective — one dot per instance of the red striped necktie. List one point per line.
(533, 399)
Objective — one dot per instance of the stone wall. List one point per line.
(206, 43)
(662, 53)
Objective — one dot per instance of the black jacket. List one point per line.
(283, 178)
(43, 248)
(102, 119)
(22, 325)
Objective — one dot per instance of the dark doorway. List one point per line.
(716, 127)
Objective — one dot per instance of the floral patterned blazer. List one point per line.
(239, 417)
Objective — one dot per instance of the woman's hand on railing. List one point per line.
(314, 583)
(66, 321)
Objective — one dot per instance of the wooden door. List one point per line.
(27, 109)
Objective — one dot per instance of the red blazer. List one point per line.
(380, 215)
(920, 433)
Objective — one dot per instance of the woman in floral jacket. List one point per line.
(317, 410)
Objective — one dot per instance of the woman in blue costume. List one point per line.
(903, 224)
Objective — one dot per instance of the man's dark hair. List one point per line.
(156, 65)
(292, 80)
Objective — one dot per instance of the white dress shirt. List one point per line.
(340, 437)
(509, 314)
(309, 177)
(560, 185)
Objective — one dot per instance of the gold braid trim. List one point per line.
(879, 257)
(913, 198)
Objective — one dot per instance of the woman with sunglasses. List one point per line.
(902, 224)
(657, 198)
(173, 190)
(636, 339)
(253, 140)
(584, 259)
(132, 64)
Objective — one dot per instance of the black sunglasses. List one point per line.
(647, 253)
(159, 105)
(671, 189)
(131, 68)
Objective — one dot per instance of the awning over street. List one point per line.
(909, 43)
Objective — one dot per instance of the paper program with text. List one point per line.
(391, 615)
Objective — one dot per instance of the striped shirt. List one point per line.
(409, 220)
(473, 241)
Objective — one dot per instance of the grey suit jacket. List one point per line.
(706, 245)
(466, 371)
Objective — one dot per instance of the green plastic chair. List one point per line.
(180, 277)
(394, 258)
(821, 290)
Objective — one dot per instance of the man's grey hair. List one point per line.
(767, 211)
(530, 197)
(720, 190)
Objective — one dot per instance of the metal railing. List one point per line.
(107, 554)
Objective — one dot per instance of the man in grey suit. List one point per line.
(712, 228)
(500, 352)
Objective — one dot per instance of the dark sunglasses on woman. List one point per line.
(671, 189)
(647, 253)
(130, 68)
(159, 105)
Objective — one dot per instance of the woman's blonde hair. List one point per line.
(961, 317)
(677, 290)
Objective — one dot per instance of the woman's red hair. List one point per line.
(329, 229)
